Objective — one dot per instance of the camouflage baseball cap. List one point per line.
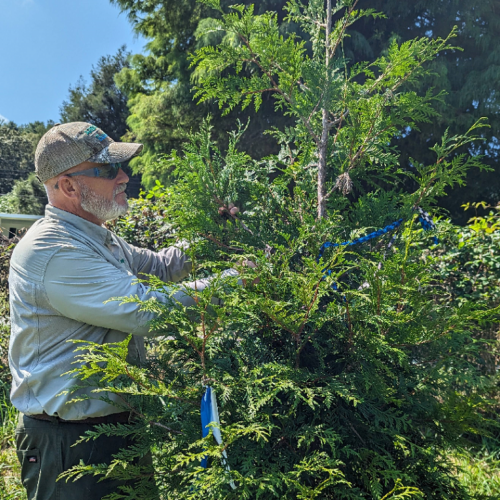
(70, 144)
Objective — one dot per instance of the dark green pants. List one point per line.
(44, 450)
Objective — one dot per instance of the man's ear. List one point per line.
(69, 187)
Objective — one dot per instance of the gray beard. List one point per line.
(100, 207)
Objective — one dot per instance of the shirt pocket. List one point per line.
(30, 470)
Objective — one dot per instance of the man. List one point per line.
(62, 272)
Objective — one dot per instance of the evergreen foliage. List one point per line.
(29, 196)
(346, 377)
(160, 83)
(469, 77)
(145, 225)
(17, 153)
(101, 102)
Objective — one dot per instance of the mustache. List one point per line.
(120, 188)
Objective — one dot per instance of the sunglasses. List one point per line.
(108, 171)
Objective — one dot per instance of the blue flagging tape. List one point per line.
(363, 239)
(423, 217)
(427, 223)
(206, 415)
(210, 415)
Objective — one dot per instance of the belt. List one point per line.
(114, 418)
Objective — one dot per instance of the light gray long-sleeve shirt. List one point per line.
(62, 273)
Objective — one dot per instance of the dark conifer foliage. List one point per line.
(469, 75)
(100, 102)
(29, 196)
(24, 193)
(160, 83)
(16, 155)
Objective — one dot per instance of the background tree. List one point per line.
(29, 196)
(16, 155)
(469, 76)
(101, 102)
(20, 190)
(160, 83)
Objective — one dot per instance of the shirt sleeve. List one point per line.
(169, 264)
(78, 283)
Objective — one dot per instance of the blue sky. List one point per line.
(45, 45)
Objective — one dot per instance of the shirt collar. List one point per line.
(96, 232)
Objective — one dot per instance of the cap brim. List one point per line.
(117, 152)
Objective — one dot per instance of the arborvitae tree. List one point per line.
(347, 371)
(160, 83)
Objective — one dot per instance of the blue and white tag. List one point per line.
(210, 415)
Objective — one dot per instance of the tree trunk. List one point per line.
(323, 145)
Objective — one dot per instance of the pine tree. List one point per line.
(349, 369)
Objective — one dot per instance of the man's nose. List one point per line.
(122, 177)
